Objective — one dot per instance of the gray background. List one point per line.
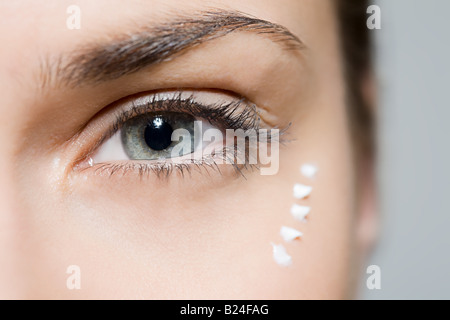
(414, 176)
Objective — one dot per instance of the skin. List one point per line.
(204, 236)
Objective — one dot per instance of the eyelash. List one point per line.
(247, 119)
(239, 114)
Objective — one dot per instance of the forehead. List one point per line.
(30, 27)
(33, 32)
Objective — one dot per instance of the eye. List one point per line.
(160, 132)
(171, 126)
(151, 136)
(155, 136)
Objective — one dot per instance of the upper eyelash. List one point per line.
(246, 119)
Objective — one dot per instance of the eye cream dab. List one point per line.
(300, 212)
(309, 170)
(301, 191)
(290, 234)
(280, 255)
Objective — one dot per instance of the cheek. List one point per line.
(321, 259)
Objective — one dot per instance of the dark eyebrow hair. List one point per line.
(97, 62)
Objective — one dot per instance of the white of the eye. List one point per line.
(200, 128)
(111, 150)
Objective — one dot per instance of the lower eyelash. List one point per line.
(165, 170)
(234, 156)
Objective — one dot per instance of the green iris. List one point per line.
(149, 136)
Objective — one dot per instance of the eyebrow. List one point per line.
(99, 62)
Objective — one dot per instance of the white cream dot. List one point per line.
(290, 234)
(281, 256)
(301, 191)
(300, 212)
(309, 170)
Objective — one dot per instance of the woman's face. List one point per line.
(74, 192)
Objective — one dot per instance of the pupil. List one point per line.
(158, 134)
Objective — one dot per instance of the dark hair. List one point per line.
(357, 58)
